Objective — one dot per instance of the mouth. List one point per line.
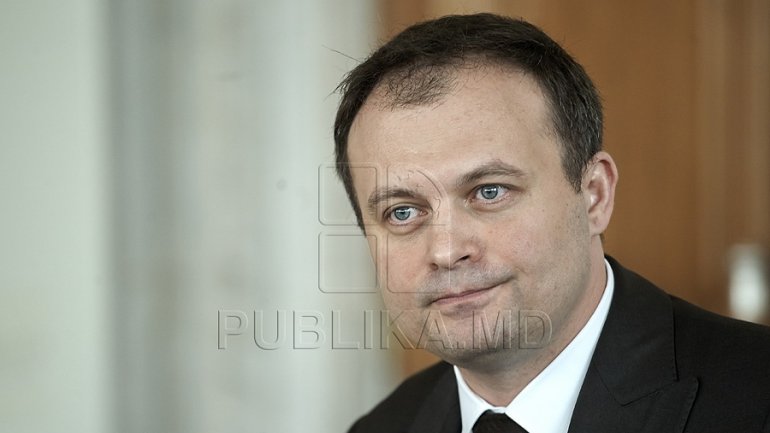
(473, 296)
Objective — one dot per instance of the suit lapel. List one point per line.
(632, 383)
(440, 413)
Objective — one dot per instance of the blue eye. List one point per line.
(489, 192)
(403, 213)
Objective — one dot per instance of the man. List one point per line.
(470, 148)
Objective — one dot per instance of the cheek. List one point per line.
(378, 250)
(397, 268)
(517, 239)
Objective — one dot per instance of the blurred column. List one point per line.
(54, 266)
(749, 291)
(223, 120)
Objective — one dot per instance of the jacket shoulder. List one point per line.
(397, 411)
(708, 342)
(731, 360)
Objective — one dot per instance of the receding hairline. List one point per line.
(425, 84)
(387, 94)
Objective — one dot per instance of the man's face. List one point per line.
(470, 213)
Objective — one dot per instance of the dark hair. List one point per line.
(416, 67)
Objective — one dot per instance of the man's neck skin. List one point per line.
(500, 386)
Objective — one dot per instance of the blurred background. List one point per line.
(177, 256)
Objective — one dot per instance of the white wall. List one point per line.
(160, 162)
(223, 114)
(54, 258)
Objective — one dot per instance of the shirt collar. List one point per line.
(546, 404)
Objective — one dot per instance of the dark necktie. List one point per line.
(491, 422)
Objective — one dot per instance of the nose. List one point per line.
(453, 243)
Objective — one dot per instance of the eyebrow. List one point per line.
(493, 168)
(382, 194)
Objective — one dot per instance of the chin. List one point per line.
(465, 348)
(487, 359)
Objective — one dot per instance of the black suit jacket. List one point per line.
(660, 365)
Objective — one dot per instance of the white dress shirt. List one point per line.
(546, 404)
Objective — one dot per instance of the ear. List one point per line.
(599, 181)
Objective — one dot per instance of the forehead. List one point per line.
(493, 112)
